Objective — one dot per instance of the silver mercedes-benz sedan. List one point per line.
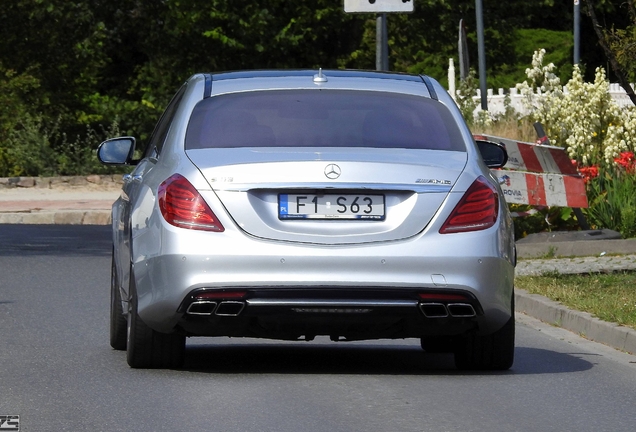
(295, 204)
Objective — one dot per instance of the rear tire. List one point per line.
(148, 348)
(117, 318)
(491, 352)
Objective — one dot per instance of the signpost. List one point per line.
(577, 32)
(464, 64)
(378, 6)
(481, 54)
(381, 7)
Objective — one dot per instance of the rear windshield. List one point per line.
(322, 118)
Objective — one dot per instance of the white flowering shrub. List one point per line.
(591, 113)
(542, 77)
(621, 137)
(582, 117)
(543, 96)
(597, 134)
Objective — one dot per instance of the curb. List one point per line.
(576, 248)
(107, 180)
(68, 217)
(582, 323)
(599, 263)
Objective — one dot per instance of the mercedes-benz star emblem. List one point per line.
(332, 171)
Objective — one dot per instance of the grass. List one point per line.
(521, 130)
(608, 296)
(550, 253)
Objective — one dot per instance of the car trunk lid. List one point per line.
(330, 196)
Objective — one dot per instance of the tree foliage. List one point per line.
(622, 40)
(81, 64)
(613, 41)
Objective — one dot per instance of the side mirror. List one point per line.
(493, 154)
(117, 151)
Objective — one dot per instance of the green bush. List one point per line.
(27, 150)
(35, 148)
(612, 201)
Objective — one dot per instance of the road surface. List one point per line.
(58, 372)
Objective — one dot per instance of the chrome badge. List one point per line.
(433, 181)
(332, 171)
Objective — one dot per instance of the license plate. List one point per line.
(331, 206)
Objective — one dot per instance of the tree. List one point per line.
(618, 44)
(90, 63)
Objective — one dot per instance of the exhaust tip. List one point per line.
(434, 310)
(201, 308)
(230, 308)
(461, 310)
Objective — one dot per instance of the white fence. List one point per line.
(496, 101)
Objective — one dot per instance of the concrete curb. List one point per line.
(600, 263)
(108, 180)
(575, 248)
(67, 217)
(582, 323)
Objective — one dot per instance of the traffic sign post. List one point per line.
(577, 32)
(381, 44)
(378, 6)
(381, 7)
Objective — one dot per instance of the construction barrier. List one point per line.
(539, 175)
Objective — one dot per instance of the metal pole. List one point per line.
(464, 64)
(481, 51)
(577, 32)
(381, 44)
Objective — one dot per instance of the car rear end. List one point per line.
(352, 205)
(338, 243)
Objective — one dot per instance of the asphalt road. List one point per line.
(58, 373)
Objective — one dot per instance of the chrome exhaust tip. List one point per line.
(201, 307)
(230, 308)
(434, 310)
(461, 310)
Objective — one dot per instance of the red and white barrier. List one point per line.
(539, 175)
(543, 189)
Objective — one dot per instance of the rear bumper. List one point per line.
(301, 276)
(295, 313)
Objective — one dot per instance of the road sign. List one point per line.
(378, 6)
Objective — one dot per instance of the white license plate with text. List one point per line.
(331, 206)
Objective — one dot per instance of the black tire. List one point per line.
(148, 348)
(117, 318)
(491, 352)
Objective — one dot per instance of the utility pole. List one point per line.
(577, 32)
(481, 51)
(381, 43)
(381, 8)
(464, 64)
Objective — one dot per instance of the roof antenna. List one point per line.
(320, 78)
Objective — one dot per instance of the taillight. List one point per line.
(182, 206)
(477, 210)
